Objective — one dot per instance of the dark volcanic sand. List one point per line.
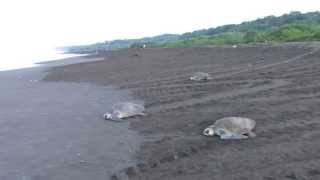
(277, 85)
(55, 130)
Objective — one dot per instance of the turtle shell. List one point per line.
(127, 109)
(233, 128)
(200, 76)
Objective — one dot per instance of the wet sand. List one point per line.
(55, 130)
(277, 85)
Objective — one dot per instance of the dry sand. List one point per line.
(277, 85)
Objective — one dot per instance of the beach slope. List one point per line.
(276, 85)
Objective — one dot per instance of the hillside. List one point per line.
(120, 44)
(294, 26)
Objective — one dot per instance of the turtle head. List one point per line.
(208, 131)
(107, 116)
(114, 116)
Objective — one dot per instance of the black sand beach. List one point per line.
(277, 85)
(54, 130)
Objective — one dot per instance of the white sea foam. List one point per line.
(17, 58)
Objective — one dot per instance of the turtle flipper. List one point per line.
(142, 114)
(233, 136)
(251, 134)
(116, 119)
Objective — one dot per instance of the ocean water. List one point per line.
(17, 58)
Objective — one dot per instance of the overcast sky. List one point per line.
(65, 22)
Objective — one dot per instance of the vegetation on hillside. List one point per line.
(291, 27)
(286, 33)
(119, 44)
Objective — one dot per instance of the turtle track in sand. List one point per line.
(219, 73)
(291, 155)
(281, 92)
(174, 90)
(222, 95)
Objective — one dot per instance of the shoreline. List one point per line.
(67, 59)
(72, 56)
(54, 130)
(276, 85)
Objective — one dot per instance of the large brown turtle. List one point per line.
(124, 110)
(231, 128)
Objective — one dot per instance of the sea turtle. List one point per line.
(124, 110)
(231, 128)
(200, 76)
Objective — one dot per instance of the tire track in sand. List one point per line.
(174, 81)
(314, 50)
(202, 100)
(212, 97)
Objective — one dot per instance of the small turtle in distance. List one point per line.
(200, 76)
